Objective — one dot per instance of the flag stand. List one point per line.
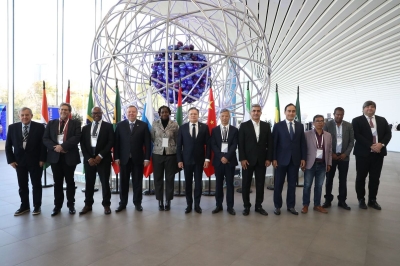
(209, 192)
(45, 180)
(179, 193)
(149, 191)
(271, 187)
(115, 191)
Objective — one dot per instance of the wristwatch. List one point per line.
(383, 145)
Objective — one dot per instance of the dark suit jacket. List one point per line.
(70, 145)
(137, 144)
(34, 151)
(186, 149)
(216, 142)
(285, 148)
(105, 141)
(249, 148)
(347, 137)
(364, 138)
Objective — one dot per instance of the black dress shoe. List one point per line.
(198, 209)
(139, 208)
(120, 208)
(85, 210)
(168, 205)
(261, 211)
(375, 205)
(217, 209)
(246, 211)
(231, 211)
(277, 211)
(21, 211)
(72, 210)
(161, 205)
(326, 205)
(343, 205)
(36, 211)
(107, 210)
(362, 204)
(55, 211)
(188, 209)
(293, 211)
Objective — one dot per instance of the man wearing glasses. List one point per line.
(342, 144)
(96, 143)
(319, 161)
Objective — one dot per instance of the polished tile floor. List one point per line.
(356, 237)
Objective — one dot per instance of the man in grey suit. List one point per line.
(342, 144)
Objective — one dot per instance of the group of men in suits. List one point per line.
(318, 152)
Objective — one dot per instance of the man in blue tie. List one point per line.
(290, 153)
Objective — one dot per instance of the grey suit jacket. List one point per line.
(158, 133)
(312, 148)
(347, 136)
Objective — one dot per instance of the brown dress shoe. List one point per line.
(320, 209)
(304, 209)
(85, 210)
(107, 210)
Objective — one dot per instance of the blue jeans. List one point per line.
(318, 171)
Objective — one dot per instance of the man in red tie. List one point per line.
(372, 134)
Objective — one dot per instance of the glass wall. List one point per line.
(3, 69)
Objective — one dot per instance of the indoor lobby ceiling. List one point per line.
(347, 49)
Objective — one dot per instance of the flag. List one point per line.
(179, 115)
(298, 113)
(45, 111)
(247, 111)
(211, 122)
(116, 119)
(277, 108)
(68, 99)
(148, 118)
(90, 105)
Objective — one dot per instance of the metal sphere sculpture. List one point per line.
(158, 44)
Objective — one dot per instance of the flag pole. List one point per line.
(116, 190)
(179, 193)
(45, 115)
(149, 191)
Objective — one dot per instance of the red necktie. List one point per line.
(372, 126)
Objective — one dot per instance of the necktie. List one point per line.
(291, 132)
(194, 132)
(372, 126)
(62, 124)
(96, 126)
(225, 133)
(132, 125)
(25, 133)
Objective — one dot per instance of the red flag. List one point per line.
(68, 99)
(211, 122)
(45, 111)
(114, 165)
(148, 170)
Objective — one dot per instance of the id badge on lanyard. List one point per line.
(320, 151)
(93, 140)
(60, 138)
(224, 147)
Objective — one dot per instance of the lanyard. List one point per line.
(59, 127)
(98, 128)
(339, 131)
(322, 140)
(222, 132)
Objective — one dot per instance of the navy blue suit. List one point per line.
(224, 170)
(192, 154)
(288, 153)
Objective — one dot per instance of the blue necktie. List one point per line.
(194, 132)
(291, 132)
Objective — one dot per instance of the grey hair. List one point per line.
(24, 109)
(255, 105)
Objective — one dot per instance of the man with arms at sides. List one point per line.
(224, 141)
(319, 161)
(96, 143)
(255, 155)
(132, 153)
(61, 138)
(290, 153)
(372, 134)
(192, 139)
(342, 144)
(26, 153)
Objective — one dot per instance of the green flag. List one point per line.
(179, 115)
(298, 113)
(248, 105)
(117, 107)
(277, 108)
(90, 105)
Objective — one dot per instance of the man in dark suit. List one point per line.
(26, 153)
(290, 153)
(61, 138)
(372, 134)
(224, 141)
(255, 155)
(132, 153)
(342, 144)
(96, 143)
(193, 138)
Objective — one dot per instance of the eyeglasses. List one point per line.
(319, 121)
(97, 113)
